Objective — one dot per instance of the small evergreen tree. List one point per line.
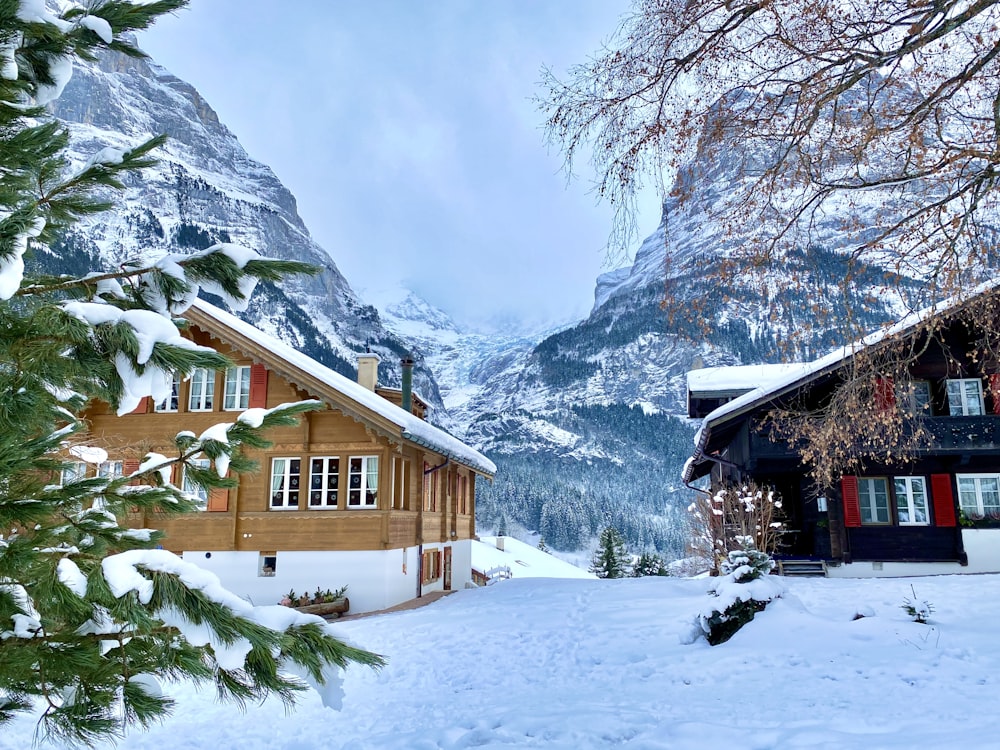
(93, 616)
(611, 558)
(541, 544)
(649, 564)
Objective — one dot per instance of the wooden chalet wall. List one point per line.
(244, 520)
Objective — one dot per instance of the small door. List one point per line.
(447, 568)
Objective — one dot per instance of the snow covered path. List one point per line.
(593, 664)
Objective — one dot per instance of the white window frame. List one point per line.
(366, 495)
(190, 488)
(867, 501)
(112, 469)
(201, 385)
(285, 483)
(320, 482)
(980, 510)
(171, 403)
(965, 402)
(73, 472)
(265, 570)
(236, 393)
(912, 501)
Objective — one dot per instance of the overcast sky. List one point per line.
(406, 130)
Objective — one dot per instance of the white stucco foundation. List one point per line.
(981, 545)
(375, 579)
(983, 548)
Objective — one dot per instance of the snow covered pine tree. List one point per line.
(611, 559)
(92, 616)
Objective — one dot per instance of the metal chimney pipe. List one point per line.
(407, 364)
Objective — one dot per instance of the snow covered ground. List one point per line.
(592, 664)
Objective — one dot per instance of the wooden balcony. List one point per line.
(949, 435)
(965, 434)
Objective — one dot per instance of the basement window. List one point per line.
(267, 564)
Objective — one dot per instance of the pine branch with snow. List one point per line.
(94, 620)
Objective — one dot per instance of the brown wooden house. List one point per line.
(361, 493)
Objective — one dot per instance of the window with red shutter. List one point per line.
(995, 391)
(943, 499)
(885, 394)
(218, 500)
(258, 387)
(852, 505)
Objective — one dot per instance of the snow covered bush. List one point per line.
(649, 564)
(919, 610)
(744, 589)
(93, 617)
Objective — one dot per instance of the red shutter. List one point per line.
(885, 394)
(143, 406)
(258, 387)
(218, 500)
(995, 391)
(130, 466)
(852, 503)
(944, 501)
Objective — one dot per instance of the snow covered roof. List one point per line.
(735, 378)
(801, 373)
(523, 560)
(347, 395)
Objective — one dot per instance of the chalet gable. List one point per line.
(338, 392)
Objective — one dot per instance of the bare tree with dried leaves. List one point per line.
(876, 122)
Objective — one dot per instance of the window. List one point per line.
(362, 489)
(202, 393)
(73, 472)
(188, 487)
(285, 473)
(267, 564)
(237, 389)
(911, 501)
(431, 566)
(873, 493)
(400, 483)
(965, 397)
(920, 398)
(979, 495)
(324, 476)
(171, 402)
(110, 469)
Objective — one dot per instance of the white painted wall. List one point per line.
(376, 579)
(981, 545)
(983, 548)
(893, 569)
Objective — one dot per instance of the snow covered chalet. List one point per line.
(362, 493)
(938, 513)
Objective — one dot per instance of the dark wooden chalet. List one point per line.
(925, 513)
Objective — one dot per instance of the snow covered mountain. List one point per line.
(207, 189)
(589, 428)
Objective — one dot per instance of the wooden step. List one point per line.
(802, 567)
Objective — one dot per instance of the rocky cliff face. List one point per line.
(208, 189)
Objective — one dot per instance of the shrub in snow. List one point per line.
(919, 610)
(94, 618)
(744, 589)
(649, 564)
